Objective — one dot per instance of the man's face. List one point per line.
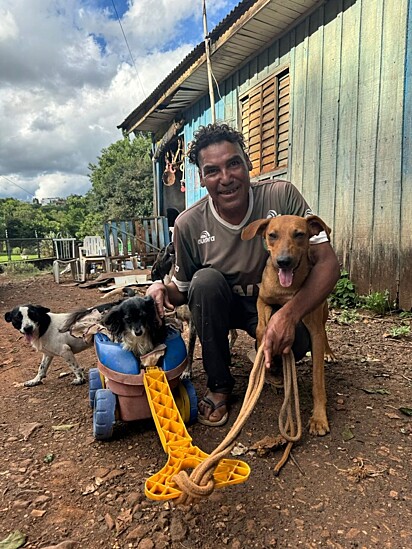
(224, 171)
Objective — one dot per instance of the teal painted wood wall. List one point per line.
(350, 131)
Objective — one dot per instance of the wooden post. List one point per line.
(209, 65)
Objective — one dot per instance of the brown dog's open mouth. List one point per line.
(285, 277)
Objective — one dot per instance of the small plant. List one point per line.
(347, 316)
(344, 295)
(377, 302)
(405, 315)
(400, 331)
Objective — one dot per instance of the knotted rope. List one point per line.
(200, 483)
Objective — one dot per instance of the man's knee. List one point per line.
(208, 282)
(207, 277)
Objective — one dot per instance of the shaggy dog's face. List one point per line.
(132, 316)
(134, 324)
(30, 320)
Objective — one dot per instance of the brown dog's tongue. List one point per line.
(285, 277)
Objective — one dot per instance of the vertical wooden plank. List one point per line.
(114, 238)
(132, 241)
(298, 99)
(405, 278)
(162, 232)
(384, 273)
(370, 65)
(230, 102)
(332, 36)
(292, 64)
(146, 237)
(273, 57)
(189, 168)
(153, 234)
(106, 229)
(253, 71)
(284, 47)
(235, 101)
(347, 130)
(310, 180)
(244, 79)
(123, 236)
(220, 94)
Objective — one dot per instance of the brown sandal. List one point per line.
(205, 421)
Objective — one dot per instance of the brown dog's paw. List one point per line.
(330, 357)
(318, 427)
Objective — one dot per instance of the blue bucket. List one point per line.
(113, 356)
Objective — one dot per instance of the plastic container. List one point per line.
(116, 358)
(124, 375)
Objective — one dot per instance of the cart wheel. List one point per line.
(95, 383)
(186, 401)
(104, 414)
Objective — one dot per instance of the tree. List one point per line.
(122, 186)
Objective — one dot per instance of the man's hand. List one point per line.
(158, 291)
(279, 335)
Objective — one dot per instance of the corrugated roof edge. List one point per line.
(195, 54)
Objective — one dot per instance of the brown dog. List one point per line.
(287, 240)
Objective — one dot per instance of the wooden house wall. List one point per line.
(350, 131)
(347, 63)
(405, 277)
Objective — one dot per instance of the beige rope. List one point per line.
(290, 381)
(200, 483)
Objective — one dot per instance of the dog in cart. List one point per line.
(129, 339)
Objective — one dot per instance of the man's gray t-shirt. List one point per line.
(203, 239)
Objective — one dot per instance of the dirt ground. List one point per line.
(351, 488)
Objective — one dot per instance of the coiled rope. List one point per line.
(200, 483)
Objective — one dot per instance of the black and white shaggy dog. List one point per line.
(42, 328)
(134, 324)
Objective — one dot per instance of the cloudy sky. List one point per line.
(67, 79)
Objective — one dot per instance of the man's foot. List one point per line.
(213, 409)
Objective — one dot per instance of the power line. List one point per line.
(13, 183)
(130, 52)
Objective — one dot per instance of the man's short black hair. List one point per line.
(210, 134)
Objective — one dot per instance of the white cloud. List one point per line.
(8, 27)
(67, 81)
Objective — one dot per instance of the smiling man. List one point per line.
(218, 274)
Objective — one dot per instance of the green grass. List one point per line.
(16, 257)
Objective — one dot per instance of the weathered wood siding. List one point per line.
(405, 285)
(350, 131)
(347, 63)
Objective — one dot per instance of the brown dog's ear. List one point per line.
(254, 228)
(317, 225)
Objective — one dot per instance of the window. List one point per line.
(265, 123)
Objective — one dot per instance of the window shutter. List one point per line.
(265, 123)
